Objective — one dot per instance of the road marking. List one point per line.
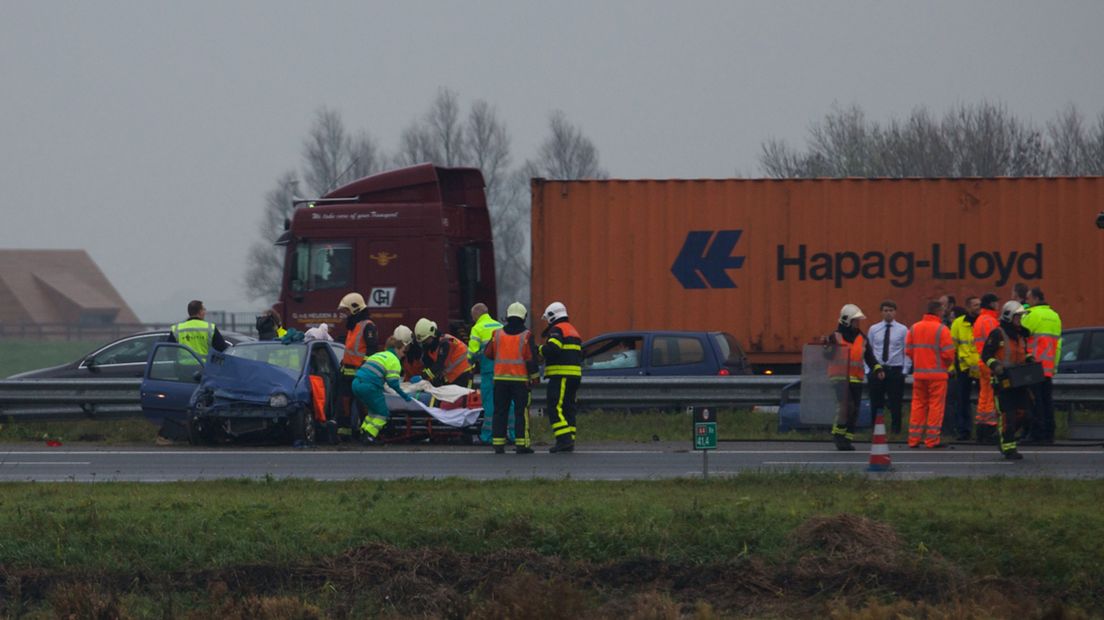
(45, 463)
(1002, 463)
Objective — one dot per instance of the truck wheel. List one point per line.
(302, 427)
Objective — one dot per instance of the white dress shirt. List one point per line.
(896, 333)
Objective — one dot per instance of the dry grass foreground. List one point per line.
(842, 566)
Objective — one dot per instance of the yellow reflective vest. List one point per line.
(966, 354)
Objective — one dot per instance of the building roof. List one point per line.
(56, 286)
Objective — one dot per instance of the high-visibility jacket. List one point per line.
(984, 324)
(1001, 347)
(357, 346)
(481, 334)
(562, 351)
(196, 334)
(379, 368)
(847, 359)
(513, 356)
(1045, 342)
(966, 353)
(930, 347)
(449, 359)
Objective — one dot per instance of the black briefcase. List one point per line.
(1023, 375)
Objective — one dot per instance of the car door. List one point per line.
(678, 354)
(123, 359)
(172, 374)
(613, 356)
(1073, 344)
(1093, 361)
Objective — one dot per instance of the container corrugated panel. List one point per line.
(772, 261)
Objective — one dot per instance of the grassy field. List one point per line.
(752, 545)
(18, 355)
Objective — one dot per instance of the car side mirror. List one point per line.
(91, 365)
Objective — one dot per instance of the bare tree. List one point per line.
(265, 261)
(326, 152)
(438, 137)
(566, 153)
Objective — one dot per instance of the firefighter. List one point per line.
(378, 369)
(849, 350)
(563, 357)
(930, 347)
(445, 357)
(412, 359)
(966, 366)
(1007, 346)
(514, 354)
(1045, 345)
(480, 337)
(361, 340)
(986, 417)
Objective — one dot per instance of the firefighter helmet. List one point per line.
(353, 302)
(516, 309)
(555, 310)
(850, 312)
(403, 334)
(1011, 309)
(424, 329)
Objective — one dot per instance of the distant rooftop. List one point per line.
(58, 286)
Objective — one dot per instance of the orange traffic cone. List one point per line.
(879, 447)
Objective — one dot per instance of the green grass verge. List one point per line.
(20, 355)
(988, 527)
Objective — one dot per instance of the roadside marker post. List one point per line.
(705, 435)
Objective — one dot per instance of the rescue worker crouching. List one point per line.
(361, 341)
(516, 367)
(1007, 346)
(378, 369)
(445, 357)
(563, 356)
(850, 350)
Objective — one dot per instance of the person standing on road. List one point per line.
(986, 418)
(966, 366)
(361, 340)
(480, 337)
(931, 349)
(378, 369)
(563, 358)
(196, 333)
(513, 353)
(1007, 346)
(1045, 345)
(887, 341)
(849, 351)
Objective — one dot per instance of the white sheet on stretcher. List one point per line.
(447, 393)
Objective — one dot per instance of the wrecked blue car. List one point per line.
(252, 390)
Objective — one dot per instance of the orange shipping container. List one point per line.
(772, 261)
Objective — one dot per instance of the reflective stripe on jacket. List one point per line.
(511, 355)
(379, 368)
(456, 361)
(196, 334)
(930, 347)
(983, 326)
(562, 351)
(1045, 342)
(356, 347)
(481, 334)
(847, 359)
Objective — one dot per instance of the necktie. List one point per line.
(885, 345)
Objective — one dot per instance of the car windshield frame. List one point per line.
(253, 351)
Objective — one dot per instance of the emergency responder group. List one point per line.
(507, 356)
(948, 349)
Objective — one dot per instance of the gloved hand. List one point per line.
(416, 379)
(406, 397)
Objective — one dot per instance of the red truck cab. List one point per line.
(414, 242)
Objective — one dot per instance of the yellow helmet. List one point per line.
(424, 329)
(353, 302)
(516, 309)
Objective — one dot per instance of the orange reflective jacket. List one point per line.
(512, 355)
(983, 325)
(931, 348)
(456, 362)
(847, 364)
(356, 346)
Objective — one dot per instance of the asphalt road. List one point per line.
(589, 462)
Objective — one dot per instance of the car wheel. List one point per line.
(198, 433)
(302, 427)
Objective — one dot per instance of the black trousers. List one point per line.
(848, 396)
(1016, 407)
(963, 385)
(561, 406)
(888, 394)
(508, 393)
(1042, 427)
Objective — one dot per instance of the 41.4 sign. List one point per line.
(705, 429)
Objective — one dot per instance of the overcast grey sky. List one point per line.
(149, 132)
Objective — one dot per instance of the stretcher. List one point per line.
(456, 416)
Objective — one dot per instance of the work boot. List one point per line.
(564, 445)
(500, 449)
(367, 439)
(842, 443)
(1013, 455)
(523, 450)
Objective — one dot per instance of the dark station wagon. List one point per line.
(664, 353)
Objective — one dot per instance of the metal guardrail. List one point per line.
(106, 398)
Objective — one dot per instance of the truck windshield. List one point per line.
(322, 265)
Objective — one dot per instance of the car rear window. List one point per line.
(1071, 346)
(676, 350)
(729, 349)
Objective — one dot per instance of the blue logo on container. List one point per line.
(698, 267)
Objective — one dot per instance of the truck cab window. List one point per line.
(322, 265)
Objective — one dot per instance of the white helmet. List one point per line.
(555, 310)
(516, 309)
(1011, 309)
(353, 302)
(424, 329)
(849, 313)
(403, 334)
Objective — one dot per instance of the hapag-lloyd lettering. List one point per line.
(902, 268)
